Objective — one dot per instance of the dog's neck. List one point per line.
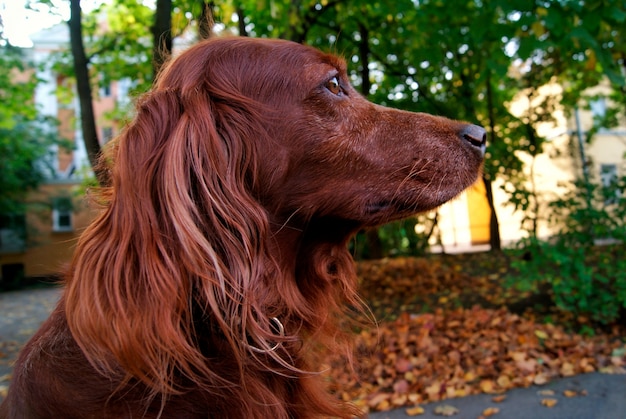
(294, 235)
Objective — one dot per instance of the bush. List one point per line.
(584, 265)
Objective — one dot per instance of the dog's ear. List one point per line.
(181, 231)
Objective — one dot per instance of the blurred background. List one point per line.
(545, 78)
(519, 281)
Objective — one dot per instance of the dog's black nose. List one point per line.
(476, 136)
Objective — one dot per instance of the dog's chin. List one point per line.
(385, 211)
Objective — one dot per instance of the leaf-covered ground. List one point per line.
(448, 328)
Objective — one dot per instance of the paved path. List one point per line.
(605, 399)
(22, 312)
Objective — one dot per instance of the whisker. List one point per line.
(412, 173)
(284, 225)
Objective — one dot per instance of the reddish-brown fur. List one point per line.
(235, 190)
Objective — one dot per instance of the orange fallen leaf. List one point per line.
(469, 376)
(549, 402)
(570, 393)
(567, 369)
(518, 356)
(414, 398)
(415, 411)
(384, 405)
(487, 386)
(433, 390)
(498, 399)
(504, 381)
(490, 411)
(460, 392)
(399, 400)
(540, 379)
(378, 399)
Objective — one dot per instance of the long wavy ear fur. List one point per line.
(181, 251)
(180, 224)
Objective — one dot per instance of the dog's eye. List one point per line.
(333, 86)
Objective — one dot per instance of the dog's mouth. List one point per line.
(383, 211)
(399, 207)
(380, 206)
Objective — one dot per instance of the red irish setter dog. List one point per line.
(218, 268)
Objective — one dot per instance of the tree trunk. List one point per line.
(374, 244)
(241, 19)
(206, 20)
(83, 87)
(161, 35)
(494, 226)
(364, 56)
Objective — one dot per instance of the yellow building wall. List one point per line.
(606, 149)
(479, 213)
(464, 222)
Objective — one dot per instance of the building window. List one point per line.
(107, 134)
(608, 176)
(105, 91)
(62, 215)
(598, 107)
(12, 233)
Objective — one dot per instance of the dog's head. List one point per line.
(235, 189)
(313, 145)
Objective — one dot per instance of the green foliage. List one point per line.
(465, 59)
(409, 237)
(26, 139)
(401, 238)
(583, 277)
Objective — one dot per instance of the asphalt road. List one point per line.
(605, 398)
(21, 314)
